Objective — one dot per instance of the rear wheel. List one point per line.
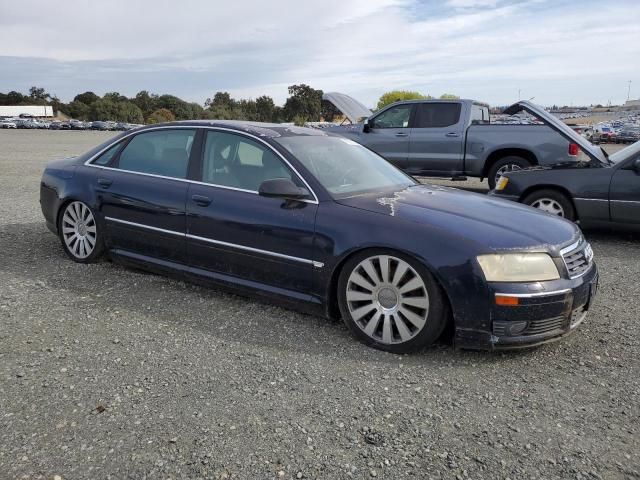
(552, 202)
(391, 302)
(504, 165)
(79, 233)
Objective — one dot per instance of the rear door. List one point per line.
(624, 194)
(143, 194)
(389, 133)
(437, 139)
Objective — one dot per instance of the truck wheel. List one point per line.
(504, 165)
(553, 202)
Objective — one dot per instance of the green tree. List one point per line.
(87, 98)
(161, 115)
(304, 103)
(103, 109)
(77, 109)
(129, 112)
(265, 109)
(398, 95)
(146, 102)
(449, 96)
(329, 111)
(38, 94)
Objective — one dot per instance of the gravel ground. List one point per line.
(107, 372)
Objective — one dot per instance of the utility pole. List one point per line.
(518, 94)
(629, 91)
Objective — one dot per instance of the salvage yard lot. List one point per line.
(111, 372)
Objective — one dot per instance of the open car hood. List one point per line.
(349, 106)
(559, 126)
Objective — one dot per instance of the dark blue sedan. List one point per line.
(320, 222)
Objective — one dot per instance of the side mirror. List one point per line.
(367, 126)
(282, 188)
(636, 166)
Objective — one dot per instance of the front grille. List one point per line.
(578, 260)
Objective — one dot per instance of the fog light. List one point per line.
(509, 329)
(516, 328)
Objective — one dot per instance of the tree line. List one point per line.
(304, 104)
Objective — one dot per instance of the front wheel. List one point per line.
(552, 202)
(79, 233)
(504, 165)
(391, 302)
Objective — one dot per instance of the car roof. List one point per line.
(261, 129)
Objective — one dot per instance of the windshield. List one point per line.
(344, 167)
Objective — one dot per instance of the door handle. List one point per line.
(201, 200)
(104, 182)
(452, 134)
(402, 134)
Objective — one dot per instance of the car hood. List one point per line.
(559, 126)
(349, 106)
(493, 223)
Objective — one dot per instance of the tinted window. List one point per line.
(106, 157)
(235, 161)
(162, 152)
(395, 117)
(344, 167)
(437, 115)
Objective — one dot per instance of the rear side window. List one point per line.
(161, 152)
(479, 114)
(437, 115)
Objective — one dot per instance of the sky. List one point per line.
(564, 52)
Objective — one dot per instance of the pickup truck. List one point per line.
(450, 138)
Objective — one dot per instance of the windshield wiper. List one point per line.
(606, 155)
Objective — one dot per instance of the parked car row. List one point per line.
(32, 123)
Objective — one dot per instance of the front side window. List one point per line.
(395, 117)
(437, 115)
(236, 161)
(160, 152)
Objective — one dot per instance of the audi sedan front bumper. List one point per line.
(527, 315)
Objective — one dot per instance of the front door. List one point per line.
(143, 194)
(437, 139)
(389, 134)
(235, 235)
(624, 195)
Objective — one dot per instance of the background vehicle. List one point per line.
(628, 134)
(300, 216)
(7, 124)
(453, 138)
(602, 134)
(601, 191)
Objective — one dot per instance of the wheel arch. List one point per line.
(558, 188)
(333, 311)
(501, 153)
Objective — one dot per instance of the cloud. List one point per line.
(482, 49)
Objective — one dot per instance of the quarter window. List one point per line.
(235, 161)
(395, 117)
(107, 156)
(437, 115)
(161, 152)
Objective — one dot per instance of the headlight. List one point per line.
(501, 183)
(518, 267)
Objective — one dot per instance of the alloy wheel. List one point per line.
(509, 167)
(387, 299)
(79, 230)
(549, 205)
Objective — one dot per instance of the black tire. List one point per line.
(562, 200)
(436, 315)
(512, 161)
(85, 234)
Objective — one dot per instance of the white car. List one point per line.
(7, 124)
